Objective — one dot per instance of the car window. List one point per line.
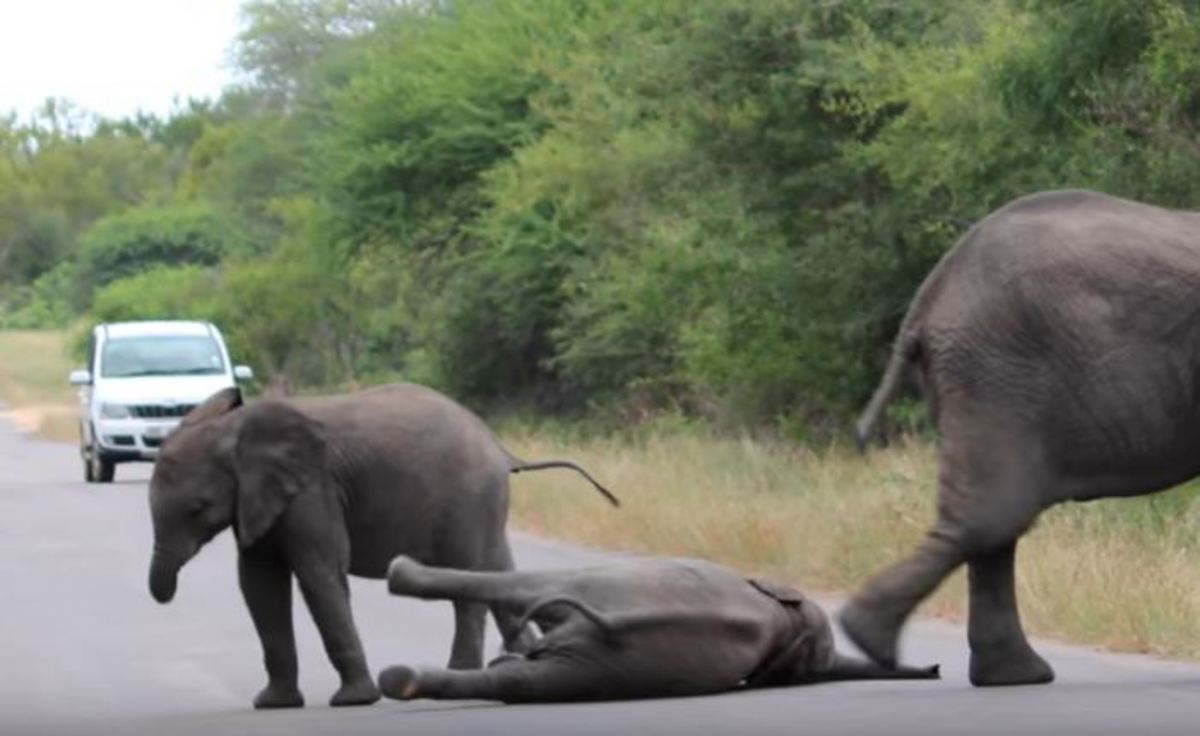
(161, 355)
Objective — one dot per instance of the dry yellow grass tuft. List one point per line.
(1123, 574)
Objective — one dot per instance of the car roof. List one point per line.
(154, 327)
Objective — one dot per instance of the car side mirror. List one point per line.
(243, 373)
(80, 378)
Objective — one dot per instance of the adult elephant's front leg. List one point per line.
(266, 584)
(1000, 653)
(327, 594)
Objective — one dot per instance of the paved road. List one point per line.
(84, 649)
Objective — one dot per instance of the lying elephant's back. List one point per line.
(418, 471)
(684, 626)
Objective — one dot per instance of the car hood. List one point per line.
(160, 389)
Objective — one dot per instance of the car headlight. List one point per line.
(114, 411)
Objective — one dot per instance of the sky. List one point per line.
(114, 57)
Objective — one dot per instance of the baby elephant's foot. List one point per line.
(279, 696)
(361, 691)
(1019, 665)
(875, 635)
(399, 682)
(405, 576)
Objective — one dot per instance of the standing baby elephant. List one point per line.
(1059, 346)
(640, 628)
(324, 487)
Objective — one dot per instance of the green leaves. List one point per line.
(709, 206)
(127, 244)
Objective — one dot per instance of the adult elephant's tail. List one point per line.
(520, 466)
(908, 345)
(902, 354)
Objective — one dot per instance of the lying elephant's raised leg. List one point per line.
(519, 589)
(517, 638)
(1000, 653)
(513, 681)
(466, 652)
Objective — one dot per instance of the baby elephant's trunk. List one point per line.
(853, 668)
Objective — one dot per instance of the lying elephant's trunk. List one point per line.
(853, 668)
(164, 570)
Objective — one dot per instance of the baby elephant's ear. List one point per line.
(222, 402)
(781, 593)
(280, 454)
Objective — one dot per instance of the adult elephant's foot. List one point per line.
(399, 682)
(405, 576)
(279, 696)
(872, 633)
(360, 691)
(1018, 665)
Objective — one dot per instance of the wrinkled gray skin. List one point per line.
(1059, 348)
(324, 487)
(639, 628)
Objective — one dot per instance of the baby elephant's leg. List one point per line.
(512, 681)
(519, 590)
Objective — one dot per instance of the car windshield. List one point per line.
(161, 355)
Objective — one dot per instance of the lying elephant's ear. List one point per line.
(223, 401)
(279, 455)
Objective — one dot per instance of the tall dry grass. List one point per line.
(33, 383)
(1123, 574)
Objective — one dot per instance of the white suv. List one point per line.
(142, 377)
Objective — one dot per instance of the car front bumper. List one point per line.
(133, 438)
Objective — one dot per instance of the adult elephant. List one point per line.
(328, 486)
(637, 628)
(1059, 347)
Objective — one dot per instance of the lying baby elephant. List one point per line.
(646, 627)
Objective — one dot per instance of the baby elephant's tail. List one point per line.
(853, 668)
(520, 466)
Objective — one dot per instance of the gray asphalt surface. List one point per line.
(84, 649)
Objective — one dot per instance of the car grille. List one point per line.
(152, 441)
(158, 411)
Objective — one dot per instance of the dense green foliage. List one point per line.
(719, 207)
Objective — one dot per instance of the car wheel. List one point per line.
(107, 470)
(99, 469)
(85, 452)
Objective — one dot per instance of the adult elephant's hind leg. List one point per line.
(874, 617)
(1000, 653)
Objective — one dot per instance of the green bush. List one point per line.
(137, 240)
